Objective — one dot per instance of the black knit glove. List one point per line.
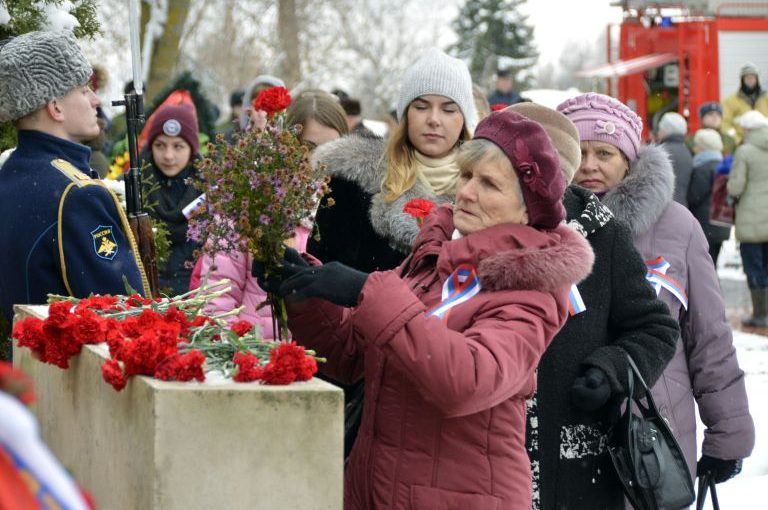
(333, 282)
(292, 264)
(591, 391)
(721, 470)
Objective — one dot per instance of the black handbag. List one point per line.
(646, 456)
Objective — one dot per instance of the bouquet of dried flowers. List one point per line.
(257, 191)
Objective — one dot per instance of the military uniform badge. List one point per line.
(104, 243)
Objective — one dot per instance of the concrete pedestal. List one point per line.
(165, 445)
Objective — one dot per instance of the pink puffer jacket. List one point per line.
(244, 291)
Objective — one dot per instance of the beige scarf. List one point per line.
(441, 175)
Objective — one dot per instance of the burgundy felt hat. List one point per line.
(535, 161)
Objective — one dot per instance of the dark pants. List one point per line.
(754, 257)
(714, 250)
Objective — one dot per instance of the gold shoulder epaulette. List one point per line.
(72, 173)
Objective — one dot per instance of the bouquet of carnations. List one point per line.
(257, 191)
(169, 339)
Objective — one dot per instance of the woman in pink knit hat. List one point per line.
(636, 182)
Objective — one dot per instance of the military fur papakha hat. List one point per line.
(38, 67)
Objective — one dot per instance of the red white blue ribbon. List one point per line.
(575, 302)
(657, 275)
(462, 285)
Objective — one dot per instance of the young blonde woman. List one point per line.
(322, 120)
(373, 179)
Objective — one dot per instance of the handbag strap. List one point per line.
(706, 482)
(630, 386)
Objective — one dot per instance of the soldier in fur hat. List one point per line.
(63, 231)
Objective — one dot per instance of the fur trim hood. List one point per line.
(510, 257)
(641, 198)
(361, 160)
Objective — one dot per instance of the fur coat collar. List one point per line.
(641, 198)
(508, 256)
(362, 160)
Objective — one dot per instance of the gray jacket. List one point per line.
(682, 165)
(748, 182)
(704, 367)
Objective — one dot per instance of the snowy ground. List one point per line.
(749, 490)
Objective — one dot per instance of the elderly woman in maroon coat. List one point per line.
(637, 183)
(449, 341)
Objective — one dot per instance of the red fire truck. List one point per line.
(675, 56)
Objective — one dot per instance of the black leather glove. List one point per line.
(721, 470)
(333, 282)
(292, 264)
(591, 391)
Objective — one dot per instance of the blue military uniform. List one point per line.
(61, 232)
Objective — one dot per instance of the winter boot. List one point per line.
(759, 317)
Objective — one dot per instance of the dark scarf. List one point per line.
(167, 196)
(750, 94)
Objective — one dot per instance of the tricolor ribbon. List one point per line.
(40, 491)
(657, 275)
(575, 302)
(462, 285)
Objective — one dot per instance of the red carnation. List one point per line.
(498, 107)
(98, 303)
(174, 315)
(272, 100)
(241, 328)
(87, 327)
(29, 333)
(113, 374)
(182, 367)
(248, 368)
(419, 209)
(288, 363)
(58, 314)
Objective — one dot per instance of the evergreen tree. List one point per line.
(493, 30)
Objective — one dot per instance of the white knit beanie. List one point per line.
(752, 119)
(38, 67)
(672, 123)
(437, 73)
(708, 140)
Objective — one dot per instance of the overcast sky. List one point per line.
(559, 23)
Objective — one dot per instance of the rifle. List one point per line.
(138, 219)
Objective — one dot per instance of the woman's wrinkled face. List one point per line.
(434, 125)
(171, 154)
(488, 194)
(603, 166)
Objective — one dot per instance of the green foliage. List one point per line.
(488, 28)
(27, 16)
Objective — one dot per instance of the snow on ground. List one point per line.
(749, 489)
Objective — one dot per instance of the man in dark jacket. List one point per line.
(504, 93)
(62, 231)
(671, 134)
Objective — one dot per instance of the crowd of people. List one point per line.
(483, 351)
